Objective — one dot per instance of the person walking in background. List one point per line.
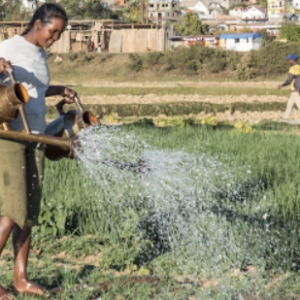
(92, 46)
(99, 47)
(293, 81)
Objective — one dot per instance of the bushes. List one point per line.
(189, 60)
(73, 56)
(136, 62)
(268, 62)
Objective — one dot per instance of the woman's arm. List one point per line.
(54, 90)
(4, 65)
(68, 94)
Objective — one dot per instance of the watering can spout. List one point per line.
(60, 135)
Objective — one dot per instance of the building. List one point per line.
(188, 41)
(237, 11)
(195, 6)
(215, 9)
(254, 13)
(242, 42)
(295, 4)
(162, 12)
(277, 8)
(207, 10)
(228, 3)
(272, 29)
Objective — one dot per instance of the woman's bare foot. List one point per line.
(25, 286)
(5, 295)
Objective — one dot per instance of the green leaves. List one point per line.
(290, 31)
(190, 24)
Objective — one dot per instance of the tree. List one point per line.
(13, 10)
(190, 24)
(246, 30)
(290, 31)
(135, 11)
(266, 37)
(88, 9)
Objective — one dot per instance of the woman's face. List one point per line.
(47, 34)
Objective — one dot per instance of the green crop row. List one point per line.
(175, 109)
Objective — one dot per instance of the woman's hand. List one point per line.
(4, 66)
(69, 95)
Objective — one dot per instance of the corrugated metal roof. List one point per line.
(240, 36)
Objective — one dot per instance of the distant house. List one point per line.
(224, 3)
(296, 4)
(254, 13)
(294, 17)
(31, 5)
(204, 40)
(215, 8)
(188, 41)
(241, 41)
(275, 7)
(162, 12)
(237, 11)
(196, 6)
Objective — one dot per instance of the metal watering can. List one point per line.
(66, 127)
(60, 136)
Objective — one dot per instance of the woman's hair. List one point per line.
(46, 13)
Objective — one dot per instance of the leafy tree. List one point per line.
(190, 24)
(262, 3)
(246, 30)
(88, 9)
(133, 11)
(266, 37)
(12, 10)
(290, 31)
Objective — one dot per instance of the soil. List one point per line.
(152, 99)
(252, 117)
(254, 84)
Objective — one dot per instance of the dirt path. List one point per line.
(255, 84)
(152, 98)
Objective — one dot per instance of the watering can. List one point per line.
(60, 136)
(66, 126)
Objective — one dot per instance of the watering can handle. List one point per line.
(78, 103)
(11, 76)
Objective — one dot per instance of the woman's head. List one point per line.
(47, 24)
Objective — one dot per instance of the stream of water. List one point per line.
(197, 210)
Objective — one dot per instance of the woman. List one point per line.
(21, 163)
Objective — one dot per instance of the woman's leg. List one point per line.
(21, 237)
(21, 242)
(6, 226)
(12, 192)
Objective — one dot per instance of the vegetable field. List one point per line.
(213, 213)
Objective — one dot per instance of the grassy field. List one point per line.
(218, 220)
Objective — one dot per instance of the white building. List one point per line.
(242, 42)
(195, 6)
(237, 11)
(215, 9)
(254, 12)
(295, 4)
(31, 4)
